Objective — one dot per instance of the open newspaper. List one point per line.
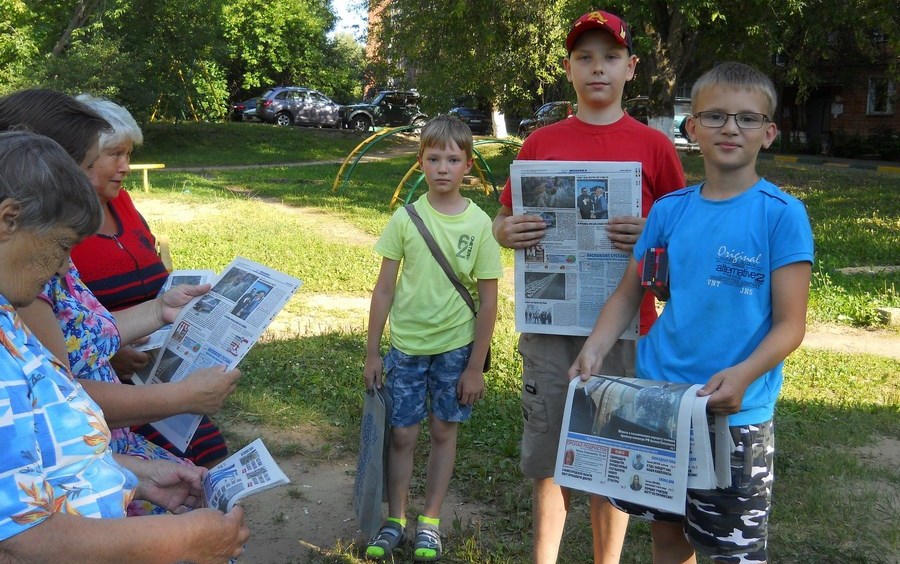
(248, 471)
(218, 329)
(642, 441)
(158, 338)
(563, 282)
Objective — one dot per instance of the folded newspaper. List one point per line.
(642, 441)
(248, 471)
(217, 329)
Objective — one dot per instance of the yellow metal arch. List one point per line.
(480, 165)
(395, 199)
(360, 150)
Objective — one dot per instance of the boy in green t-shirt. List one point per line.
(438, 346)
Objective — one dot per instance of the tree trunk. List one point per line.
(499, 120)
(83, 12)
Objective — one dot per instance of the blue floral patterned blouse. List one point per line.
(92, 338)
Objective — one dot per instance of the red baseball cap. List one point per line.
(598, 19)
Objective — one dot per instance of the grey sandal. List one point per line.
(389, 537)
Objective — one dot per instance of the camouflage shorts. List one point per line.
(418, 384)
(731, 524)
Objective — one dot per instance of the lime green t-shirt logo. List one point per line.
(464, 246)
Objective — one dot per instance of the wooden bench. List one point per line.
(147, 168)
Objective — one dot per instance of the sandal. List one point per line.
(389, 537)
(428, 543)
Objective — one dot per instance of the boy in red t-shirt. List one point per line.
(599, 63)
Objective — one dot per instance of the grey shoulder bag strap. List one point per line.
(439, 257)
(445, 266)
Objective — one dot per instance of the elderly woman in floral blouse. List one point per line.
(62, 490)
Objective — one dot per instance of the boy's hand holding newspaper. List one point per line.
(372, 371)
(726, 390)
(624, 231)
(520, 231)
(589, 361)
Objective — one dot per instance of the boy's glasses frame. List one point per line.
(744, 120)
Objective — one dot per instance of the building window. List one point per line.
(881, 97)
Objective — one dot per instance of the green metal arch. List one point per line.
(479, 158)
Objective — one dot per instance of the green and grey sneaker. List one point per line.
(428, 543)
(389, 537)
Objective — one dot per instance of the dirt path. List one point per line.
(315, 513)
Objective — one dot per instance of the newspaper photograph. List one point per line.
(630, 439)
(562, 283)
(249, 471)
(176, 277)
(218, 329)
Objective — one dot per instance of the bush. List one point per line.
(884, 142)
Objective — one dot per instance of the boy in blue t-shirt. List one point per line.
(438, 346)
(740, 255)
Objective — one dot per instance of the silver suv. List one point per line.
(293, 105)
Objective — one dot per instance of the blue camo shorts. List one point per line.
(731, 524)
(419, 384)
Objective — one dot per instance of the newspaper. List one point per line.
(218, 329)
(563, 282)
(158, 338)
(642, 441)
(248, 471)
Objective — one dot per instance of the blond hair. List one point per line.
(442, 130)
(737, 76)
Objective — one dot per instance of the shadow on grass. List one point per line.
(829, 504)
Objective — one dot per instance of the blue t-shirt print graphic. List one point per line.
(746, 271)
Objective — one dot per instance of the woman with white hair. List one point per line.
(121, 265)
(81, 333)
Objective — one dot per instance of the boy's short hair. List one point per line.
(443, 129)
(737, 76)
(598, 19)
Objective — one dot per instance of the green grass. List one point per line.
(210, 144)
(831, 504)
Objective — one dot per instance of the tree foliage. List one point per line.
(174, 59)
(509, 51)
(502, 51)
(277, 41)
(179, 59)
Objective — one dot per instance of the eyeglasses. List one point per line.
(744, 120)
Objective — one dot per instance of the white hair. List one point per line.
(123, 125)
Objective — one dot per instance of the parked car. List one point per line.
(639, 109)
(293, 105)
(551, 112)
(244, 111)
(389, 108)
(680, 136)
(478, 121)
